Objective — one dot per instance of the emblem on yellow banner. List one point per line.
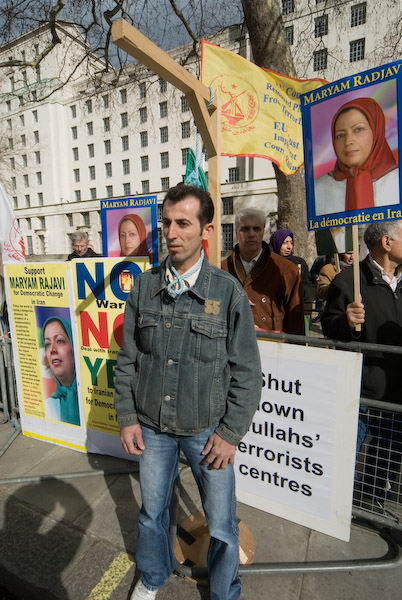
(212, 307)
(239, 103)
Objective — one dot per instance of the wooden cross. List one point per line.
(136, 44)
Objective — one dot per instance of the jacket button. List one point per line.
(167, 398)
(263, 299)
(263, 318)
(170, 361)
(168, 325)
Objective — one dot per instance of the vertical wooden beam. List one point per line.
(214, 187)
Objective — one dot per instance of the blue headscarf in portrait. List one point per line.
(66, 394)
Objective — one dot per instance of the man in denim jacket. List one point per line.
(188, 378)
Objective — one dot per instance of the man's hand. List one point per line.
(355, 314)
(218, 453)
(131, 439)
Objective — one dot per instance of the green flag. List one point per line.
(194, 176)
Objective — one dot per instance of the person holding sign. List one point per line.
(59, 358)
(380, 315)
(188, 377)
(366, 173)
(271, 282)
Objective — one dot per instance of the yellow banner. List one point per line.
(101, 287)
(260, 109)
(40, 313)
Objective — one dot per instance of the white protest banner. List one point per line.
(297, 459)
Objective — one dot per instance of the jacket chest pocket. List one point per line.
(147, 330)
(209, 340)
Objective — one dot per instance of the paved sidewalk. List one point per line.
(72, 540)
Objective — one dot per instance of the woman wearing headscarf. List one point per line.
(57, 342)
(366, 173)
(282, 242)
(132, 236)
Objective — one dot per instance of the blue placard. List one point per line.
(130, 227)
(351, 135)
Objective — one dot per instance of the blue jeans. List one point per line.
(158, 471)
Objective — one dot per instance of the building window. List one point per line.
(143, 90)
(21, 100)
(108, 146)
(35, 116)
(10, 125)
(29, 244)
(11, 143)
(123, 96)
(15, 201)
(90, 128)
(92, 172)
(106, 124)
(24, 77)
(356, 50)
(69, 219)
(76, 175)
(234, 174)
(124, 119)
(24, 160)
(91, 150)
(73, 109)
(92, 193)
(227, 206)
(144, 163)
(126, 166)
(184, 155)
(74, 132)
(124, 143)
(24, 139)
(39, 178)
(163, 109)
(164, 184)
(22, 120)
(40, 198)
(144, 139)
(85, 217)
(26, 180)
(88, 105)
(227, 237)
(8, 104)
(14, 183)
(108, 169)
(105, 100)
(109, 191)
(28, 204)
(289, 34)
(126, 189)
(320, 59)
(162, 85)
(143, 114)
(164, 133)
(77, 194)
(36, 137)
(321, 26)
(37, 157)
(164, 160)
(185, 129)
(160, 212)
(288, 7)
(185, 107)
(75, 154)
(358, 14)
(12, 163)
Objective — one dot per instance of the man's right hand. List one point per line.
(355, 314)
(131, 439)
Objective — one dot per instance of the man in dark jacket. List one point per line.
(271, 282)
(80, 242)
(380, 315)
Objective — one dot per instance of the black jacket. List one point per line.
(88, 254)
(383, 325)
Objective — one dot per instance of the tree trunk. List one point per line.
(271, 51)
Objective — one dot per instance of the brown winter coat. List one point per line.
(274, 290)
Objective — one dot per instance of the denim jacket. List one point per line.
(191, 362)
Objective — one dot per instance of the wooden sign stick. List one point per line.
(128, 38)
(356, 269)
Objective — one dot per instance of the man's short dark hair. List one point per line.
(181, 191)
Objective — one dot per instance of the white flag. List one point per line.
(11, 239)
